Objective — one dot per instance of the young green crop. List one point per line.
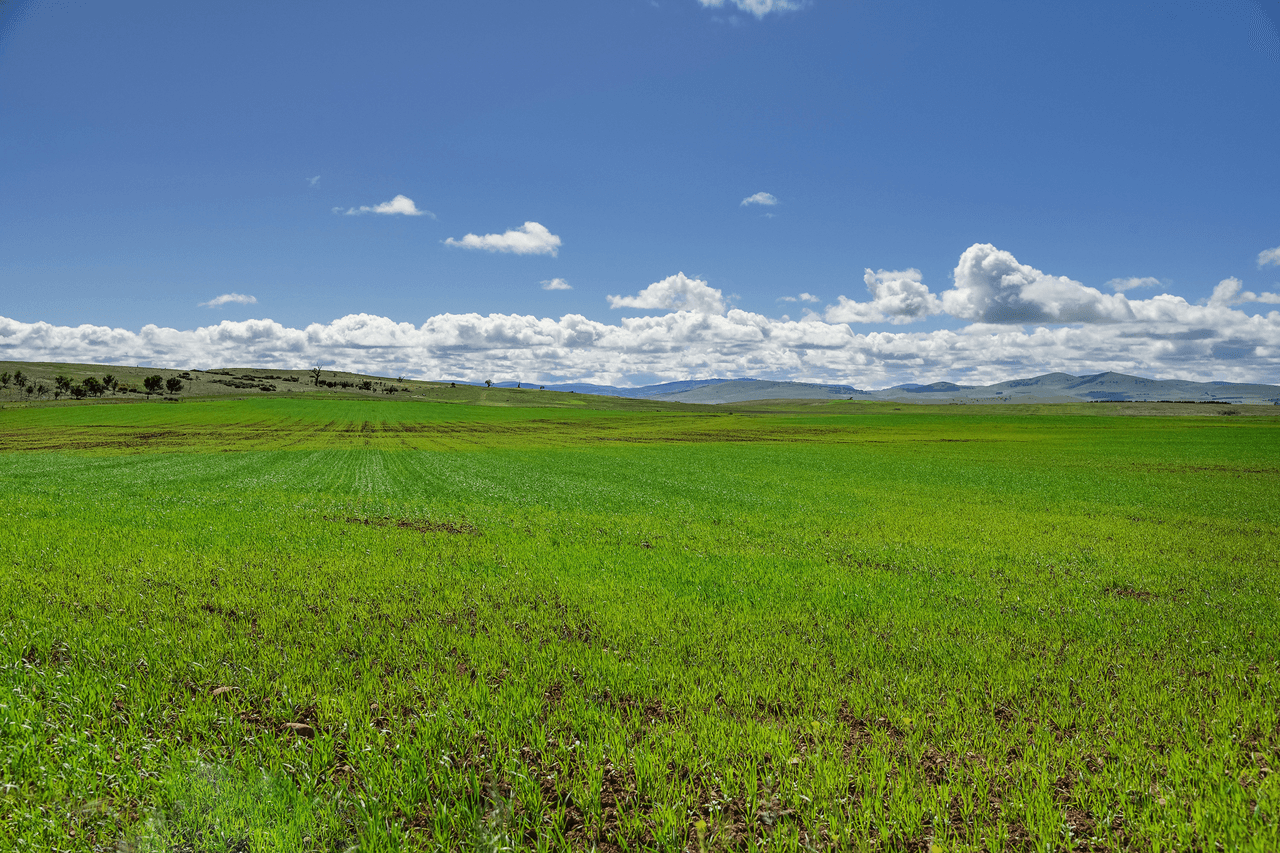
(415, 626)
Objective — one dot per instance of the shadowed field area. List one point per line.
(308, 624)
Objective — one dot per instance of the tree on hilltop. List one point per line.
(315, 375)
(174, 384)
(153, 384)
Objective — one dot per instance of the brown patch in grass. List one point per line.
(58, 655)
(619, 795)
(224, 612)
(463, 528)
(1082, 826)
(859, 731)
(937, 767)
(553, 697)
(1018, 838)
(582, 632)
(1130, 592)
(774, 710)
(649, 710)
(732, 823)
(1004, 715)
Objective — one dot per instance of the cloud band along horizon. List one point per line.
(1023, 322)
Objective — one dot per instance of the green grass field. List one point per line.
(321, 624)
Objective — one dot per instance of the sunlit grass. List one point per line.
(489, 628)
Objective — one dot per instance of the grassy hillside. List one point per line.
(255, 383)
(260, 382)
(303, 624)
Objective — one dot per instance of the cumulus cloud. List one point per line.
(698, 337)
(803, 297)
(556, 284)
(313, 181)
(992, 287)
(1269, 256)
(228, 298)
(759, 8)
(675, 293)
(1168, 339)
(898, 296)
(767, 199)
(1230, 291)
(401, 205)
(1120, 285)
(529, 239)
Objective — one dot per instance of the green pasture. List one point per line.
(319, 624)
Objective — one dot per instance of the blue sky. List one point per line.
(1118, 162)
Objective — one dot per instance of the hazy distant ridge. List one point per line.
(1049, 388)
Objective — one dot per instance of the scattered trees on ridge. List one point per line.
(90, 386)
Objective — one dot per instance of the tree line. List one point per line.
(89, 386)
(363, 385)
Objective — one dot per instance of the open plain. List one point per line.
(497, 619)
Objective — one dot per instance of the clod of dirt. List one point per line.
(220, 691)
(300, 729)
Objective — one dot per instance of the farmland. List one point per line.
(493, 621)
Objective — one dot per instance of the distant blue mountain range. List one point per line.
(1051, 387)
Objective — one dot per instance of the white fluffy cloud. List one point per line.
(759, 8)
(556, 284)
(1269, 256)
(767, 199)
(1169, 339)
(675, 293)
(897, 296)
(400, 205)
(803, 297)
(992, 287)
(699, 338)
(1120, 285)
(529, 239)
(227, 298)
(1230, 291)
